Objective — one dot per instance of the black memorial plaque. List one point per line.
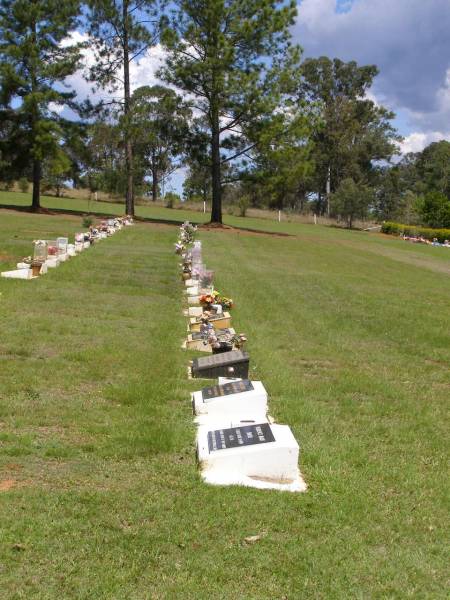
(196, 336)
(234, 387)
(227, 364)
(248, 435)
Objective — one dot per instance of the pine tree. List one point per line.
(35, 54)
(230, 57)
(121, 32)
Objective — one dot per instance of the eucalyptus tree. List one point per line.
(160, 127)
(121, 32)
(353, 131)
(36, 53)
(231, 59)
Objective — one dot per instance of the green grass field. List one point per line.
(100, 497)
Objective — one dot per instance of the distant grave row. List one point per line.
(49, 254)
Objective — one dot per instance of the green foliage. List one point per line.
(351, 131)
(281, 159)
(24, 185)
(233, 59)
(87, 221)
(351, 201)
(433, 167)
(159, 130)
(435, 209)
(171, 199)
(243, 205)
(121, 31)
(414, 231)
(33, 61)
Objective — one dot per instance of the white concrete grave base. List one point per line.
(71, 250)
(18, 274)
(191, 283)
(79, 247)
(195, 311)
(193, 291)
(193, 300)
(63, 257)
(241, 400)
(52, 262)
(242, 456)
(86, 245)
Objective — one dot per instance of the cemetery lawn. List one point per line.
(99, 493)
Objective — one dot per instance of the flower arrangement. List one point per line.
(216, 298)
(187, 232)
(179, 247)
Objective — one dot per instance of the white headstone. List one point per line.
(52, 261)
(261, 455)
(235, 400)
(193, 291)
(18, 274)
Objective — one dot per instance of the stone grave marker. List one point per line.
(259, 455)
(233, 363)
(242, 400)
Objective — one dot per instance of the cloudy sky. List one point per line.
(409, 40)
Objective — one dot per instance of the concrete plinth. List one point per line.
(260, 455)
(238, 400)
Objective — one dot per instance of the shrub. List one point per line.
(243, 204)
(87, 220)
(171, 199)
(435, 209)
(411, 230)
(23, 185)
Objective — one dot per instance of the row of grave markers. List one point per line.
(238, 443)
(49, 254)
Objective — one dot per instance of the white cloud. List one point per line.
(142, 71)
(417, 141)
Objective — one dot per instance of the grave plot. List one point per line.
(237, 442)
(199, 341)
(222, 321)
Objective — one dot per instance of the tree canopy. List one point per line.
(36, 54)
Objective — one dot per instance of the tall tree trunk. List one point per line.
(37, 172)
(155, 182)
(216, 209)
(37, 166)
(328, 190)
(129, 199)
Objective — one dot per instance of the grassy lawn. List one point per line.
(99, 493)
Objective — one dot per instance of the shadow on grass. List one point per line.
(101, 215)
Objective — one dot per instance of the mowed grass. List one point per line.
(100, 497)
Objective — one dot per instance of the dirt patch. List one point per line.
(7, 484)
(6, 258)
